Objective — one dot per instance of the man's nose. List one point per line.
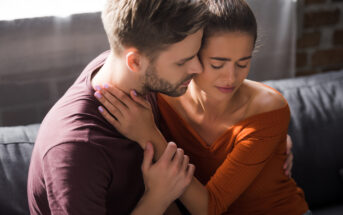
(195, 66)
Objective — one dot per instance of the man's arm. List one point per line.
(164, 180)
(77, 176)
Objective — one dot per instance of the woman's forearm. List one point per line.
(195, 198)
(148, 205)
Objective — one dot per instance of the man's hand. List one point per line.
(289, 161)
(170, 175)
(165, 180)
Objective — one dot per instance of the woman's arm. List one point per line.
(136, 122)
(196, 197)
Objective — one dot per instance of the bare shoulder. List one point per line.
(264, 98)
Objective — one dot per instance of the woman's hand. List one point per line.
(132, 117)
(289, 161)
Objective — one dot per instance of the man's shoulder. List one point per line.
(78, 123)
(81, 134)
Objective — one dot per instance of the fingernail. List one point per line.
(134, 92)
(97, 87)
(106, 86)
(147, 146)
(98, 95)
(101, 109)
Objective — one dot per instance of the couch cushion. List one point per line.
(316, 129)
(16, 145)
(330, 210)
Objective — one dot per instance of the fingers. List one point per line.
(119, 94)
(288, 165)
(108, 117)
(178, 158)
(190, 172)
(185, 162)
(168, 153)
(289, 144)
(115, 107)
(140, 100)
(289, 161)
(148, 156)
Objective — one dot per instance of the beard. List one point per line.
(153, 83)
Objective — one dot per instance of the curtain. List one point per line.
(274, 56)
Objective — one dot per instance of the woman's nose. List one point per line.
(229, 74)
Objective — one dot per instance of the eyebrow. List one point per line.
(187, 59)
(229, 59)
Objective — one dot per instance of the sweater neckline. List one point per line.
(216, 143)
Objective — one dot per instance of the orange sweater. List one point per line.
(242, 169)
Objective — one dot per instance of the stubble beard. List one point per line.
(153, 83)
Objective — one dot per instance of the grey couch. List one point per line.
(316, 128)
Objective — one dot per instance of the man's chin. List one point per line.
(178, 92)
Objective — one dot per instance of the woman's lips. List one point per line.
(225, 89)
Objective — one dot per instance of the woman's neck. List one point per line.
(208, 106)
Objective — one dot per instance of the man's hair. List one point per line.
(151, 25)
(230, 16)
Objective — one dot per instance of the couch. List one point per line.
(316, 127)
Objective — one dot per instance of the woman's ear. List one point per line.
(133, 60)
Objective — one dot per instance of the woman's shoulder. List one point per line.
(263, 99)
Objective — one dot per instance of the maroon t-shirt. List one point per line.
(80, 164)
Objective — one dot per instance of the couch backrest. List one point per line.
(316, 129)
(16, 144)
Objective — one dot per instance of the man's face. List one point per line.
(174, 68)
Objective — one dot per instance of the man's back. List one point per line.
(80, 163)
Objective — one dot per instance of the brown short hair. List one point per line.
(230, 16)
(151, 25)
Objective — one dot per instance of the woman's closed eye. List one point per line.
(217, 66)
(242, 66)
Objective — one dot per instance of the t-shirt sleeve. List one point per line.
(76, 176)
(255, 144)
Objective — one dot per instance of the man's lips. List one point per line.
(186, 82)
(225, 89)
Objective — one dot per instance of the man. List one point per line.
(80, 163)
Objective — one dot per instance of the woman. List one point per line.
(233, 129)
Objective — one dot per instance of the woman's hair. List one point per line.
(151, 25)
(230, 16)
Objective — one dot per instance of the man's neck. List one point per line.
(115, 72)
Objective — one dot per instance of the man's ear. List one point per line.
(133, 60)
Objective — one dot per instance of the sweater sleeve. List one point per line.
(255, 144)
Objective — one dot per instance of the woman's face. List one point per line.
(226, 60)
